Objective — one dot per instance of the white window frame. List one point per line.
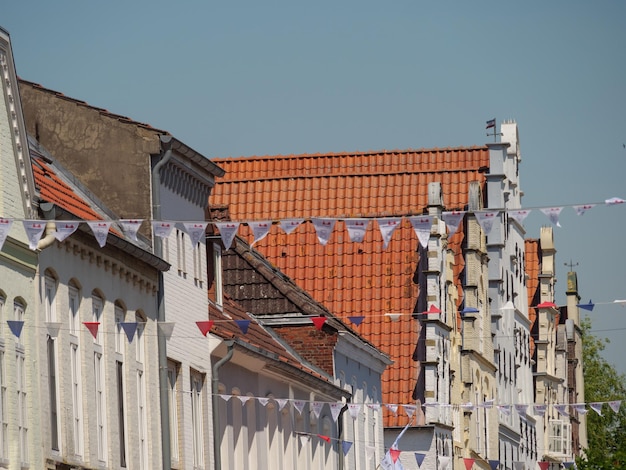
(97, 305)
(217, 273)
(73, 310)
(4, 422)
(22, 407)
(142, 431)
(100, 405)
(77, 398)
(172, 394)
(559, 437)
(50, 291)
(197, 390)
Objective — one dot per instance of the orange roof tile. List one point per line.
(354, 279)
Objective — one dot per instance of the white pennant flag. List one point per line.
(580, 408)
(167, 328)
(162, 229)
(299, 405)
(263, 400)
(243, 398)
(34, 231)
(540, 410)
(409, 410)
(614, 200)
(281, 403)
(519, 215)
(196, 231)
(562, 409)
(580, 210)
(486, 220)
(370, 452)
(488, 403)
(452, 220)
(323, 228)
(5, 227)
(227, 230)
(521, 409)
(422, 226)
(131, 227)
(335, 409)
(289, 225)
(64, 230)
(505, 409)
(260, 229)
(374, 406)
(354, 409)
(444, 461)
(316, 406)
(393, 408)
(356, 229)
(468, 406)
(225, 397)
(597, 407)
(615, 404)
(387, 226)
(553, 214)
(100, 229)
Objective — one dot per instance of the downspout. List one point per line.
(165, 156)
(51, 226)
(215, 381)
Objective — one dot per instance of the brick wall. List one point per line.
(316, 346)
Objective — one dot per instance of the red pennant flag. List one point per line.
(544, 465)
(432, 310)
(395, 454)
(546, 305)
(205, 326)
(92, 326)
(319, 322)
(326, 438)
(469, 463)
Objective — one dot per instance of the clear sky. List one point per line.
(280, 77)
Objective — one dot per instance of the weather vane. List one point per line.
(491, 124)
(571, 265)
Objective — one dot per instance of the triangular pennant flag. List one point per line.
(205, 326)
(615, 404)
(494, 464)
(562, 409)
(324, 438)
(92, 326)
(167, 328)
(519, 215)
(227, 230)
(540, 410)
(409, 410)
(393, 316)
(580, 408)
(64, 230)
(395, 454)
(468, 406)
(488, 403)
(543, 465)
(422, 226)
(196, 231)
(53, 328)
(469, 463)
(16, 327)
(335, 409)
(131, 227)
(289, 225)
(505, 409)
(162, 229)
(318, 322)
(243, 399)
(613, 201)
(260, 230)
(419, 458)
(432, 310)
(243, 325)
(589, 306)
(370, 452)
(34, 230)
(5, 227)
(356, 320)
(263, 400)
(387, 226)
(130, 328)
(299, 405)
(547, 305)
(317, 406)
(569, 464)
(374, 406)
(553, 214)
(281, 403)
(304, 439)
(521, 409)
(580, 210)
(518, 465)
(356, 229)
(354, 409)
(444, 460)
(323, 228)
(597, 407)
(346, 446)
(392, 407)
(226, 397)
(486, 219)
(100, 229)
(387, 463)
(452, 220)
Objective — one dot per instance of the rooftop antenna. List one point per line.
(571, 265)
(491, 124)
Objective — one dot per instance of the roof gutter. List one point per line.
(215, 382)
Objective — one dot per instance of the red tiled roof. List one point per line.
(354, 279)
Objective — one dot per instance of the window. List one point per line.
(22, 403)
(119, 366)
(560, 437)
(50, 288)
(4, 421)
(142, 431)
(180, 254)
(172, 396)
(18, 315)
(74, 318)
(120, 336)
(139, 339)
(2, 318)
(96, 313)
(215, 273)
(77, 399)
(100, 410)
(197, 384)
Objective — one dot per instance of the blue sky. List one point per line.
(279, 77)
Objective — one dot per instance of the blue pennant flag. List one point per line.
(130, 328)
(243, 325)
(16, 327)
(419, 457)
(356, 320)
(346, 445)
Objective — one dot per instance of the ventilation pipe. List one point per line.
(51, 226)
(215, 381)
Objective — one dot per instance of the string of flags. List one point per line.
(356, 227)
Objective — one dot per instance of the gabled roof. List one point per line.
(354, 279)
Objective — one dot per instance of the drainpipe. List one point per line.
(51, 226)
(166, 455)
(215, 381)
